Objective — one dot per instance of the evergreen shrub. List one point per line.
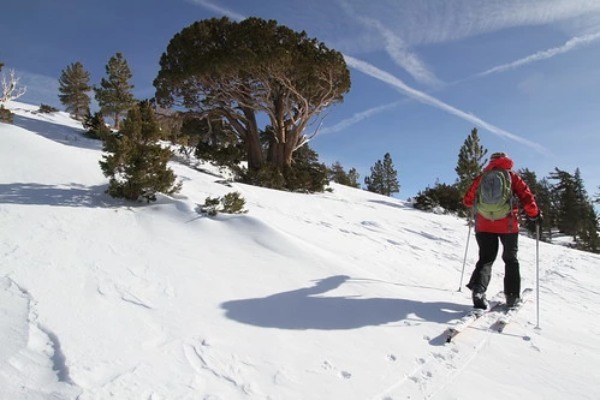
(5, 115)
(46, 109)
(231, 203)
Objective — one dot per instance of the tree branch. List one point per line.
(10, 90)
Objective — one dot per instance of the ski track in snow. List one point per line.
(435, 370)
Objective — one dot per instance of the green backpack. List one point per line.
(494, 194)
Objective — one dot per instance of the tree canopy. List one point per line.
(238, 71)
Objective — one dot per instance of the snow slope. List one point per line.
(339, 295)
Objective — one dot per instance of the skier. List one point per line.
(496, 222)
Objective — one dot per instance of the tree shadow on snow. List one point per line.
(59, 133)
(391, 204)
(66, 196)
(304, 309)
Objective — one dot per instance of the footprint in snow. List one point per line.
(326, 365)
(345, 374)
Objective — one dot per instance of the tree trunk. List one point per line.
(254, 151)
(281, 153)
(276, 154)
(252, 141)
(117, 117)
(288, 152)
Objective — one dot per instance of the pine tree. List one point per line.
(587, 228)
(74, 87)
(581, 196)
(374, 182)
(337, 174)
(390, 176)
(114, 94)
(589, 240)
(470, 161)
(306, 174)
(575, 214)
(440, 195)
(564, 202)
(383, 178)
(542, 192)
(96, 126)
(353, 177)
(136, 163)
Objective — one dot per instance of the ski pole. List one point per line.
(537, 271)
(462, 274)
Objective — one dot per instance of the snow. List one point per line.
(338, 295)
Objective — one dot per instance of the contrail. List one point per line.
(383, 76)
(357, 118)
(571, 44)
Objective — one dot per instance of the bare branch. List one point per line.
(308, 138)
(9, 87)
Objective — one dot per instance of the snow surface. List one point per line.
(339, 295)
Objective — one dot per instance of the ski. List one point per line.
(509, 313)
(468, 319)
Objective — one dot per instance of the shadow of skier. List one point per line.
(307, 308)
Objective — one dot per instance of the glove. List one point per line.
(537, 219)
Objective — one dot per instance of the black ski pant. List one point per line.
(488, 250)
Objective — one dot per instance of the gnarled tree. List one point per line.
(240, 71)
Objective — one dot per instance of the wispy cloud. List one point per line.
(395, 47)
(386, 77)
(218, 9)
(570, 45)
(340, 126)
(426, 22)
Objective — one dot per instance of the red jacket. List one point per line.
(509, 224)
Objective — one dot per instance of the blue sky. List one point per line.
(424, 72)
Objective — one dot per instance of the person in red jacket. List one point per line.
(506, 230)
